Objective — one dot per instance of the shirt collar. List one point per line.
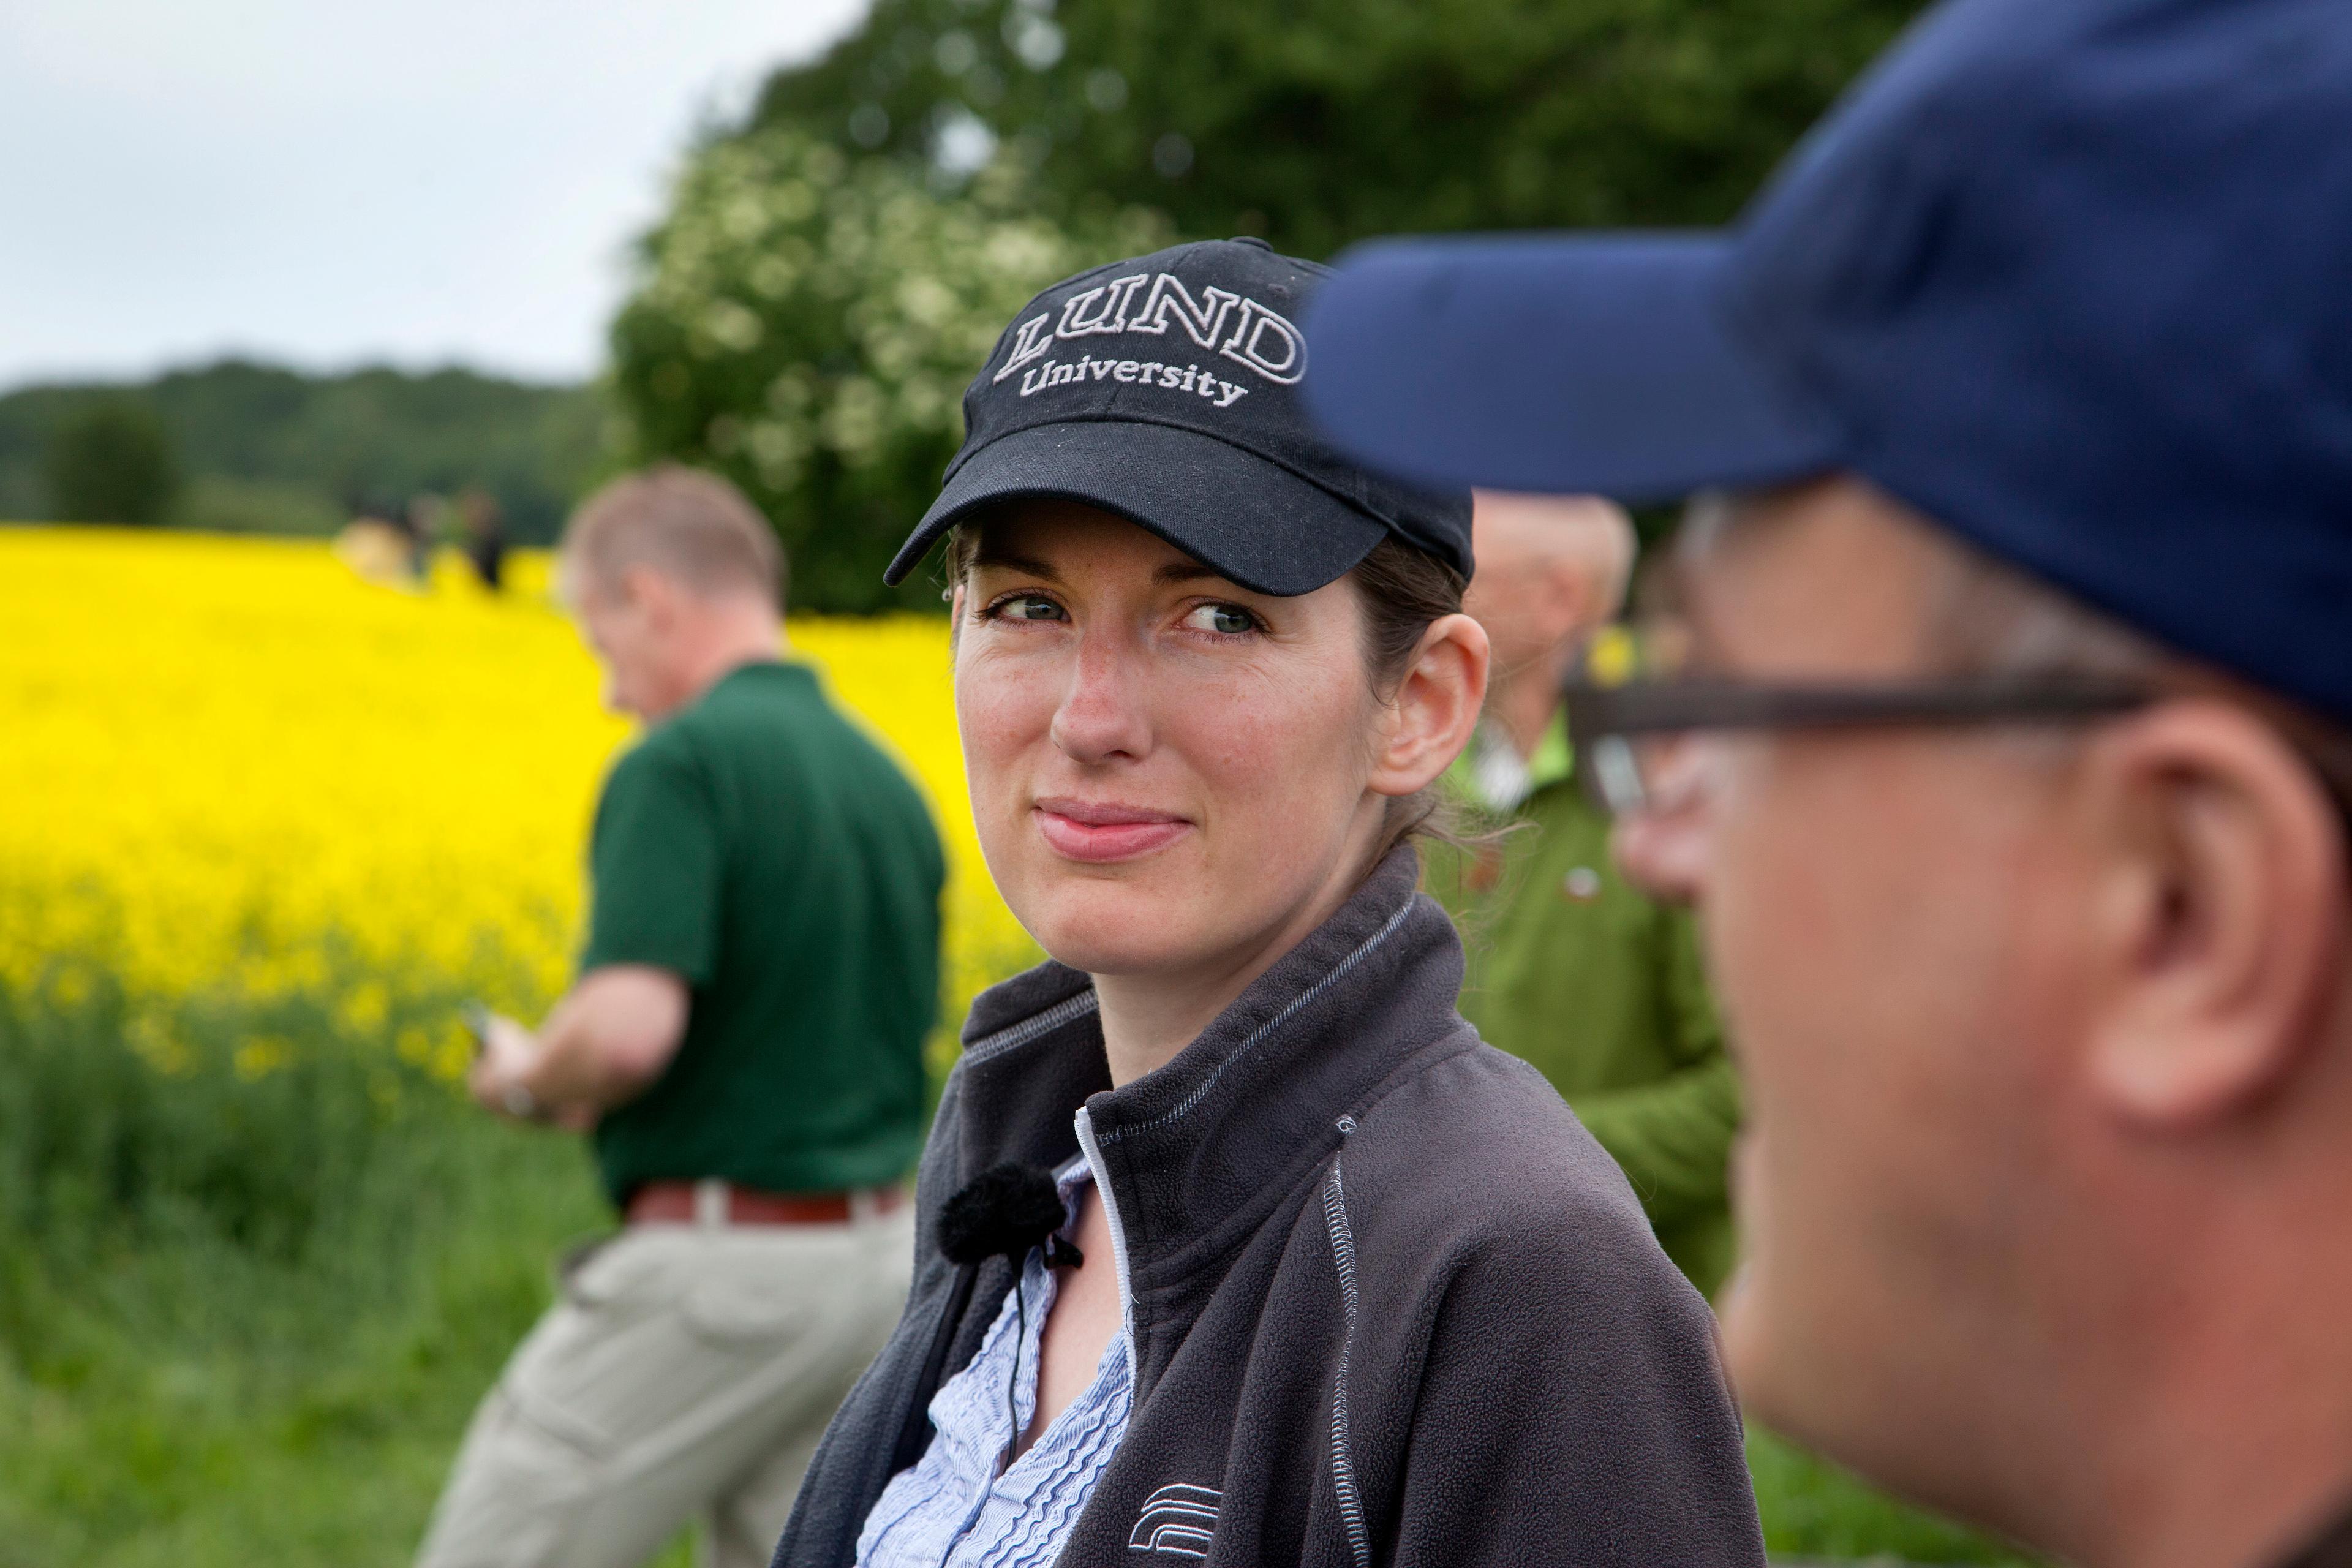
(1491, 773)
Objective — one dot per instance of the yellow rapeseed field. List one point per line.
(233, 768)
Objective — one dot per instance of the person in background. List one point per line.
(1569, 967)
(745, 1041)
(2015, 778)
(482, 535)
(380, 544)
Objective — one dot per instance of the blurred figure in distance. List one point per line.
(482, 535)
(745, 1041)
(1569, 967)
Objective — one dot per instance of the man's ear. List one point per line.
(649, 592)
(1435, 707)
(2220, 918)
(1571, 599)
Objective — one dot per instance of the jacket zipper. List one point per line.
(1093, 1151)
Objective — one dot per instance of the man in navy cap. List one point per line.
(2004, 737)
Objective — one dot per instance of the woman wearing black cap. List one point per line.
(1236, 1243)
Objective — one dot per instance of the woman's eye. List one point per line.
(1230, 620)
(1029, 607)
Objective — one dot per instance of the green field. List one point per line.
(245, 1318)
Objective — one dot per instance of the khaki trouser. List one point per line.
(688, 1371)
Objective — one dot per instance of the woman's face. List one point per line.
(1168, 772)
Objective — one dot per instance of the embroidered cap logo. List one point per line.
(1265, 340)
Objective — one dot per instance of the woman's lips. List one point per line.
(1099, 832)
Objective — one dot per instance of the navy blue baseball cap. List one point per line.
(1166, 389)
(2072, 277)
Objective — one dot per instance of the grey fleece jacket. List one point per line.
(1390, 1303)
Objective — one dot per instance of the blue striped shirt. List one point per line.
(955, 1508)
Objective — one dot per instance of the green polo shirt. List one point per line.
(1602, 989)
(762, 847)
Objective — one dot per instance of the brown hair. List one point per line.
(683, 523)
(1403, 590)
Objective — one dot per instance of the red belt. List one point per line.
(675, 1202)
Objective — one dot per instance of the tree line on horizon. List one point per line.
(239, 447)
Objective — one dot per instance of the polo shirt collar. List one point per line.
(1491, 773)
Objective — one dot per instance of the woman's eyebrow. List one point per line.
(1176, 572)
(1006, 560)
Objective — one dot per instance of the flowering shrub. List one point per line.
(806, 323)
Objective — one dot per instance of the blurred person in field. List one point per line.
(380, 544)
(482, 535)
(1569, 967)
(2014, 778)
(745, 1042)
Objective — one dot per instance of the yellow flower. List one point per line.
(262, 1055)
(1613, 657)
(235, 768)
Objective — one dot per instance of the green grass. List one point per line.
(243, 1319)
(1815, 1511)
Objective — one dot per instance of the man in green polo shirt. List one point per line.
(745, 1040)
(1569, 967)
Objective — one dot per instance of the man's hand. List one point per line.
(602, 1046)
(508, 1052)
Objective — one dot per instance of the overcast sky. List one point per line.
(324, 183)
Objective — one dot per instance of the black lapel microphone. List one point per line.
(1002, 1212)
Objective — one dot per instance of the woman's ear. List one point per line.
(2219, 924)
(1429, 720)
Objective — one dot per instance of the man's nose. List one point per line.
(1662, 845)
(1101, 713)
(1664, 852)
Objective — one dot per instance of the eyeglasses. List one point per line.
(1631, 739)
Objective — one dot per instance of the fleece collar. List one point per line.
(1199, 1152)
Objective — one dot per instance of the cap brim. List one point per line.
(1569, 364)
(1255, 522)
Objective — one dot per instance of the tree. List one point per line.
(806, 322)
(832, 274)
(111, 462)
(1314, 122)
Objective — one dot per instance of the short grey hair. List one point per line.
(683, 523)
(1989, 617)
(1994, 619)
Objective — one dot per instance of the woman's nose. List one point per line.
(1101, 713)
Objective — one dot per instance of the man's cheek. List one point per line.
(1740, 942)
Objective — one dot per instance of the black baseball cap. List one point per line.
(1166, 389)
(2072, 277)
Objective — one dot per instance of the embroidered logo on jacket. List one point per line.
(1177, 1519)
(1260, 339)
